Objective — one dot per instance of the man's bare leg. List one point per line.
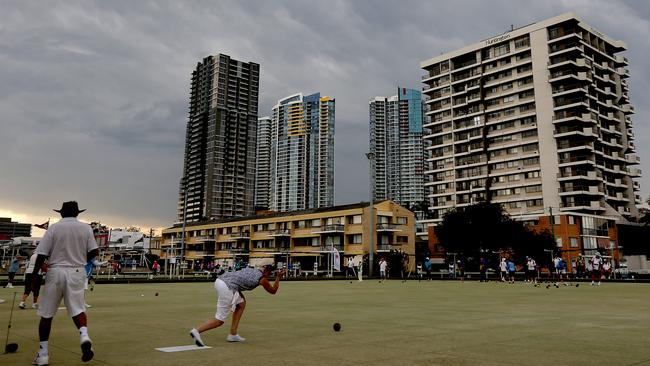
(236, 316)
(81, 322)
(210, 324)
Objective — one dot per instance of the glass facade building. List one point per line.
(301, 158)
(396, 139)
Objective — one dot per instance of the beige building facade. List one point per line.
(305, 237)
(537, 119)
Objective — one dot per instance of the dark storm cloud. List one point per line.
(93, 96)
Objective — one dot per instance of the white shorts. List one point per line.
(227, 300)
(63, 282)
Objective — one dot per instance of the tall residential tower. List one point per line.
(263, 164)
(219, 166)
(396, 140)
(301, 155)
(537, 119)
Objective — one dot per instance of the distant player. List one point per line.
(531, 270)
(382, 268)
(32, 283)
(503, 267)
(350, 268)
(596, 262)
(229, 288)
(511, 271)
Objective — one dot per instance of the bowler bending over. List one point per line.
(229, 288)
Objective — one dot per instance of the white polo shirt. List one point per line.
(67, 243)
(32, 263)
(382, 266)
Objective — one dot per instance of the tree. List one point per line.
(483, 228)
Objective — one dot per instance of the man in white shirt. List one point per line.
(531, 272)
(595, 269)
(503, 266)
(382, 269)
(350, 268)
(69, 245)
(32, 283)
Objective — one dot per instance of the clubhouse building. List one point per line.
(308, 237)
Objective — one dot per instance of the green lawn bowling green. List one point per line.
(392, 323)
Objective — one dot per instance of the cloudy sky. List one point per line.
(93, 95)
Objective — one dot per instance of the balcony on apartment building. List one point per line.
(569, 203)
(244, 234)
(634, 172)
(580, 174)
(573, 130)
(330, 229)
(383, 248)
(579, 189)
(577, 159)
(387, 227)
(280, 232)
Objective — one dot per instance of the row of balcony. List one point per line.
(283, 249)
(335, 228)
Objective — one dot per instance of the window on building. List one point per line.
(573, 241)
(522, 42)
(572, 220)
(402, 220)
(355, 219)
(501, 50)
(354, 239)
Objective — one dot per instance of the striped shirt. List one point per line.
(243, 280)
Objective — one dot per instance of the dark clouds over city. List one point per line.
(93, 95)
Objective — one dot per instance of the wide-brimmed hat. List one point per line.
(70, 207)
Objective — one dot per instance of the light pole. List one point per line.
(371, 160)
(184, 223)
(550, 265)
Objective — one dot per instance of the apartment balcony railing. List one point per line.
(627, 108)
(634, 172)
(580, 189)
(280, 232)
(335, 228)
(632, 159)
(203, 238)
(581, 158)
(387, 247)
(330, 247)
(199, 253)
(240, 235)
(387, 227)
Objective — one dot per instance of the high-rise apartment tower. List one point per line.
(396, 140)
(537, 118)
(263, 164)
(301, 155)
(219, 165)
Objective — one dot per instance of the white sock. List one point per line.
(83, 331)
(43, 348)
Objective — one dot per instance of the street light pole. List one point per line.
(184, 223)
(371, 239)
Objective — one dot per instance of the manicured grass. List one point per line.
(393, 323)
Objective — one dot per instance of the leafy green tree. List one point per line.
(485, 228)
